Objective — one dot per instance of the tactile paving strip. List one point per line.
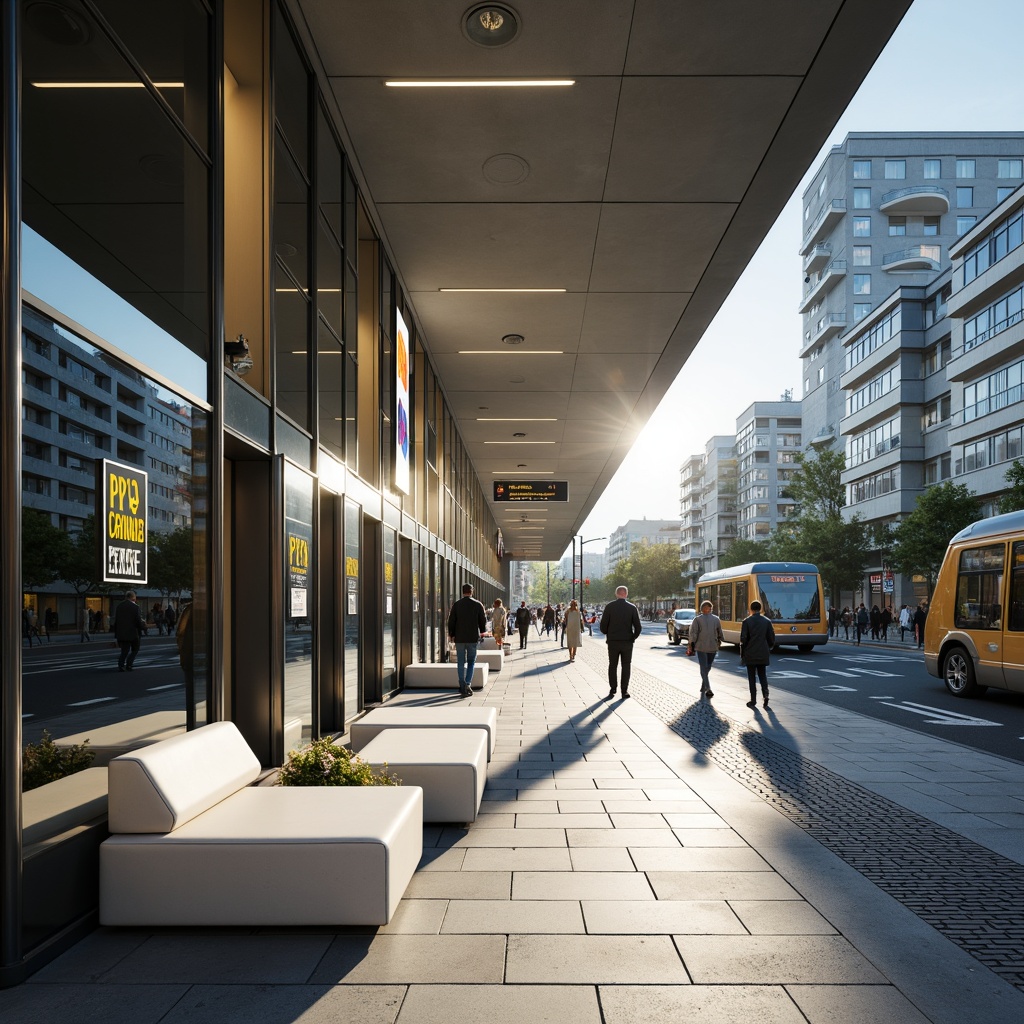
(972, 895)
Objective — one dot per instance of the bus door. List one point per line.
(1013, 621)
(979, 611)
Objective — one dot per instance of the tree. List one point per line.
(921, 539)
(817, 485)
(1013, 499)
(44, 548)
(171, 561)
(80, 567)
(652, 571)
(742, 552)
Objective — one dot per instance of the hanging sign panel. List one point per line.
(123, 529)
(531, 490)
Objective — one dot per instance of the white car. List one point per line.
(678, 625)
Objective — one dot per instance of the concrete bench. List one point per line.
(431, 717)
(449, 765)
(194, 843)
(494, 660)
(442, 676)
(63, 804)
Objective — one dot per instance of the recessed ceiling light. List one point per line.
(491, 25)
(519, 352)
(479, 83)
(512, 339)
(508, 291)
(516, 419)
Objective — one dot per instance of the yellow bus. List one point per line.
(974, 633)
(790, 594)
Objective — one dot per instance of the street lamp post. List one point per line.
(589, 540)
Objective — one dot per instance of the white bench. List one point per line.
(494, 660)
(449, 765)
(442, 676)
(194, 843)
(438, 716)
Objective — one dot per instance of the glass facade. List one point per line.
(224, 340)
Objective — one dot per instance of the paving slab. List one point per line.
(536, 917)
(412, 959)
(500, 1004)
(710, 1004)
(667, 917)
(580, 885)
(594, 959)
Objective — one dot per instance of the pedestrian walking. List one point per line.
(906, 622)
(467, 621)
(522, 618)
(84, 620)
(875, 618)
(705, 638)
(538, 620)
(833, 622)
(863, 621)
(499, 619)
(920, 618)
(549, 619)
(572, 628)
(885, 621)
(757, 637)
(620, 623)
(847, 620)
(29, 628)
(129, 625)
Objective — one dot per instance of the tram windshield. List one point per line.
(789, 596)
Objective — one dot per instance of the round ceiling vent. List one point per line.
(505, 169)
(491, 25)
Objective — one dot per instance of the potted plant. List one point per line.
(325, 763)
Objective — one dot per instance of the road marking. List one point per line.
(792, 675)
(95, 700)
(836, 672)
(28, 714)
(836, 688)
(890, 697)
(169, 686)
(874, 657)
(936, 716)
(876, 672)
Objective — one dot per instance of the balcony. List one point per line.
(831, 214)
(920, 199)
(917, 257)
(817, 258)
(827, 327)
(830, 277)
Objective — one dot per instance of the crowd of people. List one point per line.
(879, 622)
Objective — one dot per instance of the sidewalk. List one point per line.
(641, 860)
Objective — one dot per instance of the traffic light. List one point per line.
(586, 582)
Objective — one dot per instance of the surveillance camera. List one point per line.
(807, 280)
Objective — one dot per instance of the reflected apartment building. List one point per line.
(199, 294)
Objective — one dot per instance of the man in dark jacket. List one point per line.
(129, 626)
(757, 637)
(621, 624)
(920, 618)
(523, 617)
(466, 622)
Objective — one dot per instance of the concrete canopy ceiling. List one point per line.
(642, 190)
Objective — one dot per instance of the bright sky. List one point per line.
(950, 66)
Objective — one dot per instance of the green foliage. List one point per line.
(1012, 499)
(817, 485)
(324, 763)
(921, 539)
(651, 571)
(81, 566)
(44, 549)
(45, 762)
(743, 552)
(170, 561)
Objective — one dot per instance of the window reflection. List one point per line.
(298, 641)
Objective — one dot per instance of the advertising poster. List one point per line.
(401, 431)
(123, 529)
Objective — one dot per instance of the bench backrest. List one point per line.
(160, 787)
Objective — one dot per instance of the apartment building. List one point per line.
(769, 435)
(880, 215)
(640, 531)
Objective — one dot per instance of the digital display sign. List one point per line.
(531, 490)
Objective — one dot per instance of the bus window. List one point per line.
(1016, 617)
(789, 597)
(724, 608)
(742, 605)
(979, 588)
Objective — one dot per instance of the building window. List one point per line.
(897, 226)
(932, 169)
(964, 196)
(862, 255)
(861, 284)
(861, 310)
(895, 168)
(861, 227)
(1009, 169)
(935, 413)
(862, 199)
(821, 187)
(931, 225)
(1004, 238)
(862, 169)
(964, 224)
(992, 393)
(1004, 192)
(966, 169)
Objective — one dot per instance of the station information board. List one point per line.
(531, 490)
